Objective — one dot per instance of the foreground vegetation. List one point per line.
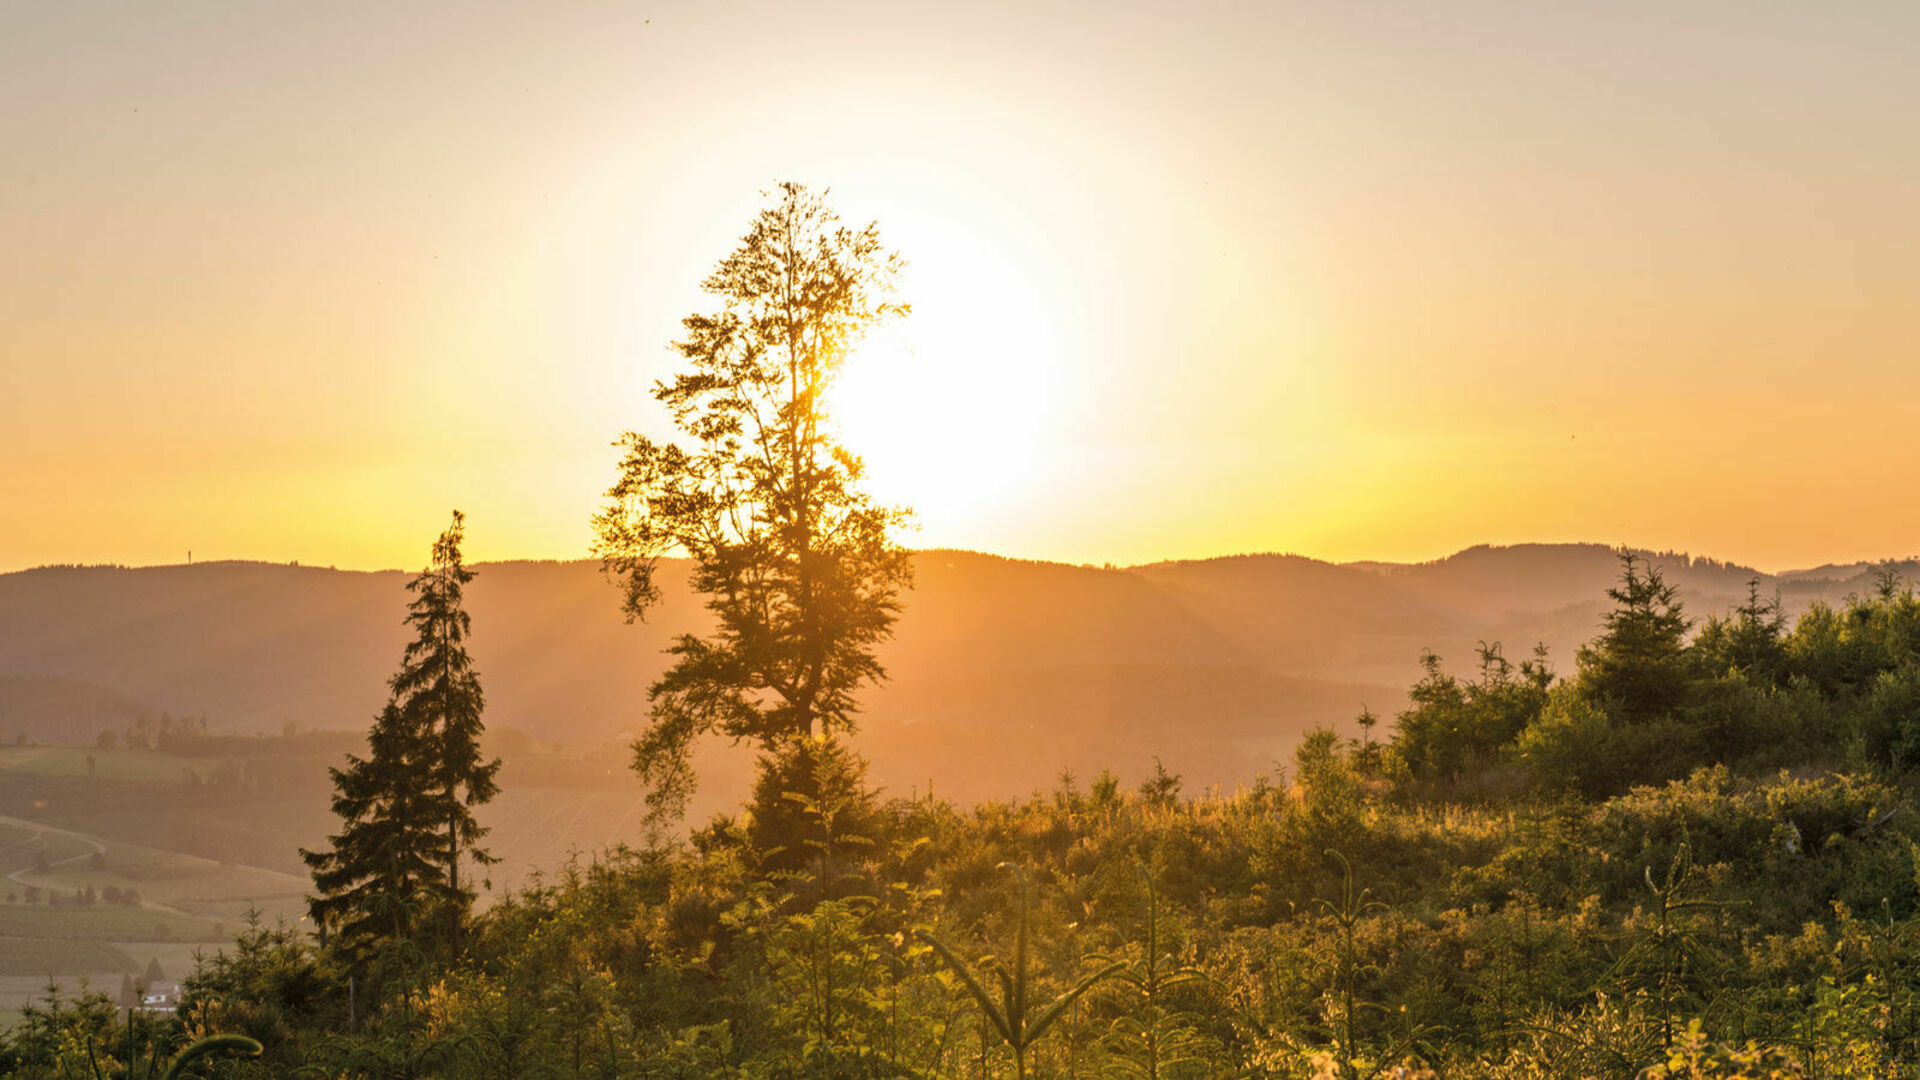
(1696, 855)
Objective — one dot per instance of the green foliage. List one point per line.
(1331, 805)
(1756, 726)
(389, 891)
(1671, 961)
(1493, 939)
(84, 1038)
(1019, 1014)
(1433, 734)
(1156, 1037)
(1751, 642)
(269, 985)
(1841, 689)
(1452, 728)
(811, 809)
(1576, 745)
(1343, 1002)
(798, 564)
(1891, 732)
(1638, 669)
(61, 1037)
(832, 989)
(207, 1047)
(1556, 886)
(438, 691)
(1162, 789)
(378, 883)
(1694, 1058)
(1842, 652)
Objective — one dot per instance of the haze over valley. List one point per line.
(1213, 667)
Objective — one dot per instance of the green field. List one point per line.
(178, 882)
(23, 846)
(37, 956)
(103, 923)
(98, 966)
(146, 766)
(291, 908)
(189, 905)
(130, 826)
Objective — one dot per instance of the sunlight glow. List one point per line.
(953, 408)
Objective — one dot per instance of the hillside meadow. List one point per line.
(1696, 853)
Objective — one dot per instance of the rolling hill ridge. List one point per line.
(1003, 671)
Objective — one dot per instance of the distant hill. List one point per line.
(1004, 671)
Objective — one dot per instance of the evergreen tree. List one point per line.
(1639, 669)
(808, 807)
(393, 871)
(1429, 734)
(1752, 641)
(380, 877)
(438, 691)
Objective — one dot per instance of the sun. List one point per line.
(953, 408)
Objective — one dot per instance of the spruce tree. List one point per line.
(1639, 669)
(439, 692)
(380, 877)
(392, 874)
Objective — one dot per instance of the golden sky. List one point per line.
(290, 281)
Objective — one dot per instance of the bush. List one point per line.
(1890, 718)
(1756, 726)
(1575, 746)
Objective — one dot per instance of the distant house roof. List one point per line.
(160, 997)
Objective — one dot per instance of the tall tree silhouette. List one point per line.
(798, 564)
(440, 693)
(380, 878)
(393, 871)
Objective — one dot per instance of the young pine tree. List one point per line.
(1639, 669)
(392, 874)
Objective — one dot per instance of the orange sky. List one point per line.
(289, 281)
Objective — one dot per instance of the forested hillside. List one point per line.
(1215, 667)
(1693, 852)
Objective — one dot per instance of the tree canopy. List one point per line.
(798, 564)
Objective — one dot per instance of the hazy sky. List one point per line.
(291, 280)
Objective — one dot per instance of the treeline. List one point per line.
(37, 709)
(1657, 696)
(1608, 873)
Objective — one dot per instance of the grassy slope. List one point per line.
(187, 903)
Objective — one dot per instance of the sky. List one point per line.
(291, 281)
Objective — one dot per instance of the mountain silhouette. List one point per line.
(1003, 672)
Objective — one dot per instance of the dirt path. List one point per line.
(39, 833)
